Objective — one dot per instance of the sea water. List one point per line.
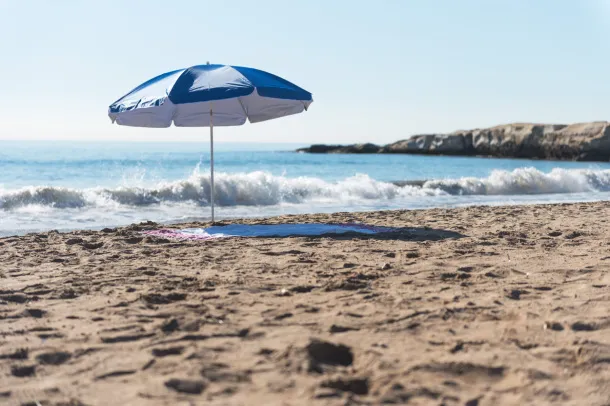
(75, 185)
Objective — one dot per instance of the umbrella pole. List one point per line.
(212, 163)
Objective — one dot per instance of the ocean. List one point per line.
(65, 185)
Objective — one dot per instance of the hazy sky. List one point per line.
(378, 70)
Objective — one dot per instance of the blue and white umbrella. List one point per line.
(208, 96)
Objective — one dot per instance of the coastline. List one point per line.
(575, 142)
(483, 304)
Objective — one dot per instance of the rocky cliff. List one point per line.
(582, 142)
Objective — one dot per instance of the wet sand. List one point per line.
(475, 306)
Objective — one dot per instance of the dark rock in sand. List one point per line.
(164, 352)
(191, 387)
(53, 358)
(581, 326)
(170, 326)
(359, 386)
(93, 245)
(324, 352)
(160, 299)
(335, 328)
(302, 288)
(68, 294)
(23, 371)
(15, 298)
(553, 325)
(19, 354)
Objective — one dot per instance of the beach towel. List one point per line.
(267, 230)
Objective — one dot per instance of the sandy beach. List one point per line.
(473, 306)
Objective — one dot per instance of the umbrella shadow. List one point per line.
(404, 234)
(380, 233)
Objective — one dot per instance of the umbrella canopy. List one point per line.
(186, 96)
(208, 96)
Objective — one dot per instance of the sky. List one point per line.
(378, 71)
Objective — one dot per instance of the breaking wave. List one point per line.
(264, 189)
(527, 181)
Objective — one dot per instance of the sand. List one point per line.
(473, 306)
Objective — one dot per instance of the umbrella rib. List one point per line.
(242, 107)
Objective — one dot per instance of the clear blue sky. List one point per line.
(379, 70)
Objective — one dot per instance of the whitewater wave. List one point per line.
(527, 181)
(264, 189)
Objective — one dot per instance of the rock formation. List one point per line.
(342, 149)
(582, 142)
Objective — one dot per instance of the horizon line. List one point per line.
(149, 141)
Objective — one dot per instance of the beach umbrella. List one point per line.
(207, 96)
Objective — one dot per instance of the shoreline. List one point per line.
(481, 304)
(203, 221)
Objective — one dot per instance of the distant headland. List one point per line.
(578, 142)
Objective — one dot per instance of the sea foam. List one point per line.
(264, 189)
